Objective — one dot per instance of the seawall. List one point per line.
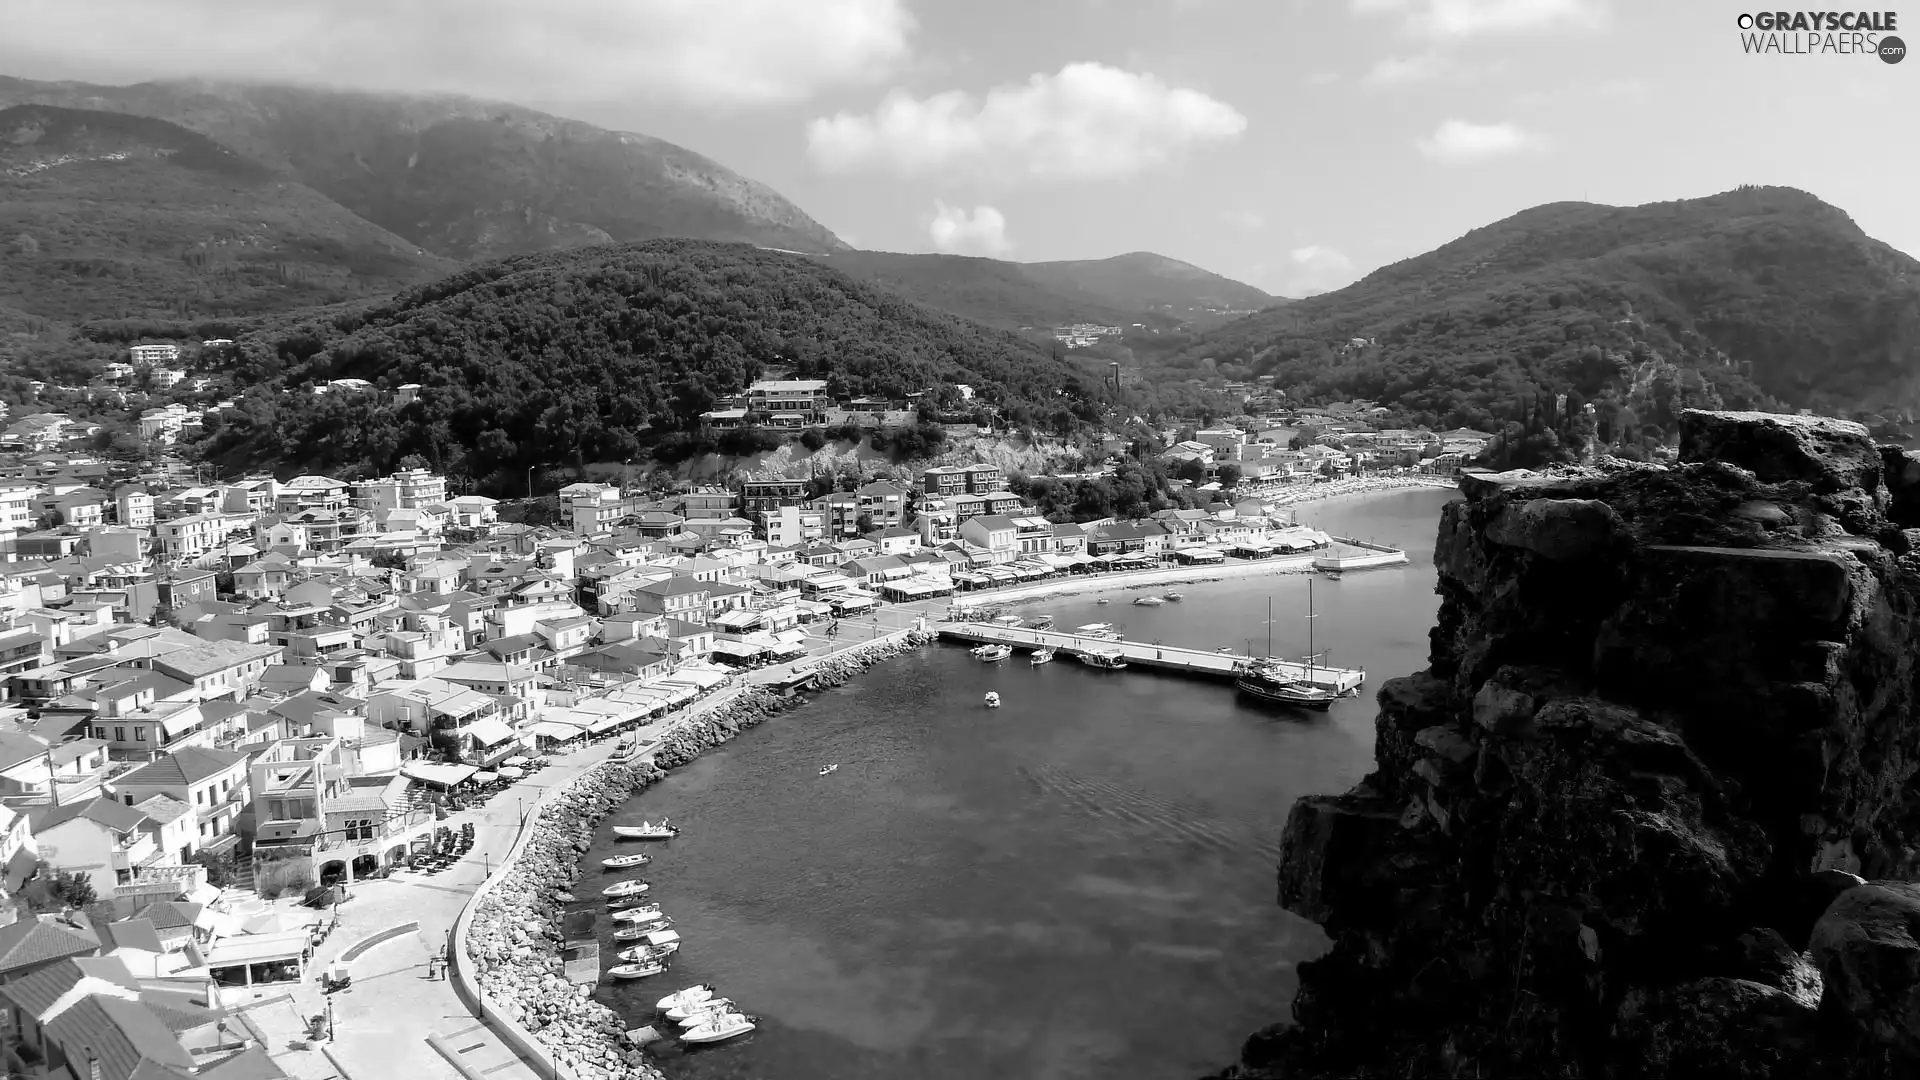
(1620, 825)
(508, 941)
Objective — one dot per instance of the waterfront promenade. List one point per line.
(1196, 662)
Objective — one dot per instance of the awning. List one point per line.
(700, 675)
(488, 731)
(485, 777)
(738, 621)
(745, 650)
(556, 732)
(258, 949)
(608, 724)
(435, 773)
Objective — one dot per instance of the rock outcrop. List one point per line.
(1621, 826)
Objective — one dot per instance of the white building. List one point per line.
(154, 354)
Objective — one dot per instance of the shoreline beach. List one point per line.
(1304, 494)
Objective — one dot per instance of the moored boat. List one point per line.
(1043, 622)
(1103, 600)
(825, 769)
(993, 654)
(636, 969)
(993, 699)
(699, 1009)
(663, 942)
(697, 992)
(647, 830)
(706, 1014)
(1009, 621)
(721, 1029)
(639, 930)
(1042, 655)
(643, 913)
(623, 862)
(1110, 659)
(1173, 598)
(1269, 683)
(630, 887)
(1147, 601)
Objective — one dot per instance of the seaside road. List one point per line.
(381, 1022)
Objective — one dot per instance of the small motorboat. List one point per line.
(640, 954)
(1173, 598)
(1103, 600)
(563, 898)
(623, 862)
(643, 913)
(630, 887)
(699, 1009)
(1009, 620)
(993, 699)
(1110, 659)
(993, 654)
(1044, 622)
(698, 992)
(825, 769)
(722, 1028)
(663, 942)
(1042, 655)
(1331, 575)
(1147, 601)
(701, 1017)
(647, 830)
(636, 969)
(638, 930)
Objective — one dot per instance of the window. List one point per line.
(119, 734)
(200, 797)
(99, 732)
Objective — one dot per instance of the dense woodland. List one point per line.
(601, 354)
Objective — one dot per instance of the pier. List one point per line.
(1143, 654)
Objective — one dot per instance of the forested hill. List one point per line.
(1748, 297)
(591, 355)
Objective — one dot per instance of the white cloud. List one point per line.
(1405, 71)
(1473, 18)
(737, 52)
(1089, 121)
(1459, 142)
(957, 232)
(1315, 268)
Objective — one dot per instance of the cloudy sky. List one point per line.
(1294, 144)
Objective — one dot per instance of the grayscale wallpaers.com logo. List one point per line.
(1823, 33)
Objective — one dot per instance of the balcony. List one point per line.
(132, 853)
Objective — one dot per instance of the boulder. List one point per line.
(1559, 529)
(1867, 947)
(1832, 455)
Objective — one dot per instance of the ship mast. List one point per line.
(1310, 617)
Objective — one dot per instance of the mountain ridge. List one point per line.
(462, 177)
(1750, 298)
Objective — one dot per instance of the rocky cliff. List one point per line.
(1620, 825)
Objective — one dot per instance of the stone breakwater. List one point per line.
(1620, 825)
(514, 939)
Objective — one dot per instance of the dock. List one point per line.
(1144, 654)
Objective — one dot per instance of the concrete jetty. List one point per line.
(1143, 654)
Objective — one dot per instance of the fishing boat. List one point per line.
(1147, 601)
(622, 862)
(643, 913)
(1042, 655)
(993, 699)
(1009, 621)
(636, 969)
(663, 942)
(1173, 598)
(641, 929)
(1043, 622)
(631, 887)
(1102, 630)
(721, 1029)
(993, 654)
(647, 830)
(699, 1009)
(1110, 659)
(697, 992)
(621, 903)
(642, 954)
(1332, 574)
(1268, 681)
(825, 769)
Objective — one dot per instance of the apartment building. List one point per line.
(759, 496)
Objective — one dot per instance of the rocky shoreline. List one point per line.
(515, 937)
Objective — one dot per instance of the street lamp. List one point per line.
(530, 469)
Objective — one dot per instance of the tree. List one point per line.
(863, 524)
(222, 869)
(1229, 474)
(1192, 471)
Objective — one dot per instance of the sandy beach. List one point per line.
(1302, 494)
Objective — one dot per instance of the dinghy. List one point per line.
(636, 970)
(643, 913)
(708, 1005)
(622, 862)
(630, 887)
(647, 830)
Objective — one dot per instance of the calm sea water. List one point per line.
(1076, 886)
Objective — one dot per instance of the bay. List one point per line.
(1076, 886)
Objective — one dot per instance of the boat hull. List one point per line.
(700, 992)
(706, 1035)
(1315, 700)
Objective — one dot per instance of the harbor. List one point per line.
(1194, 662)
